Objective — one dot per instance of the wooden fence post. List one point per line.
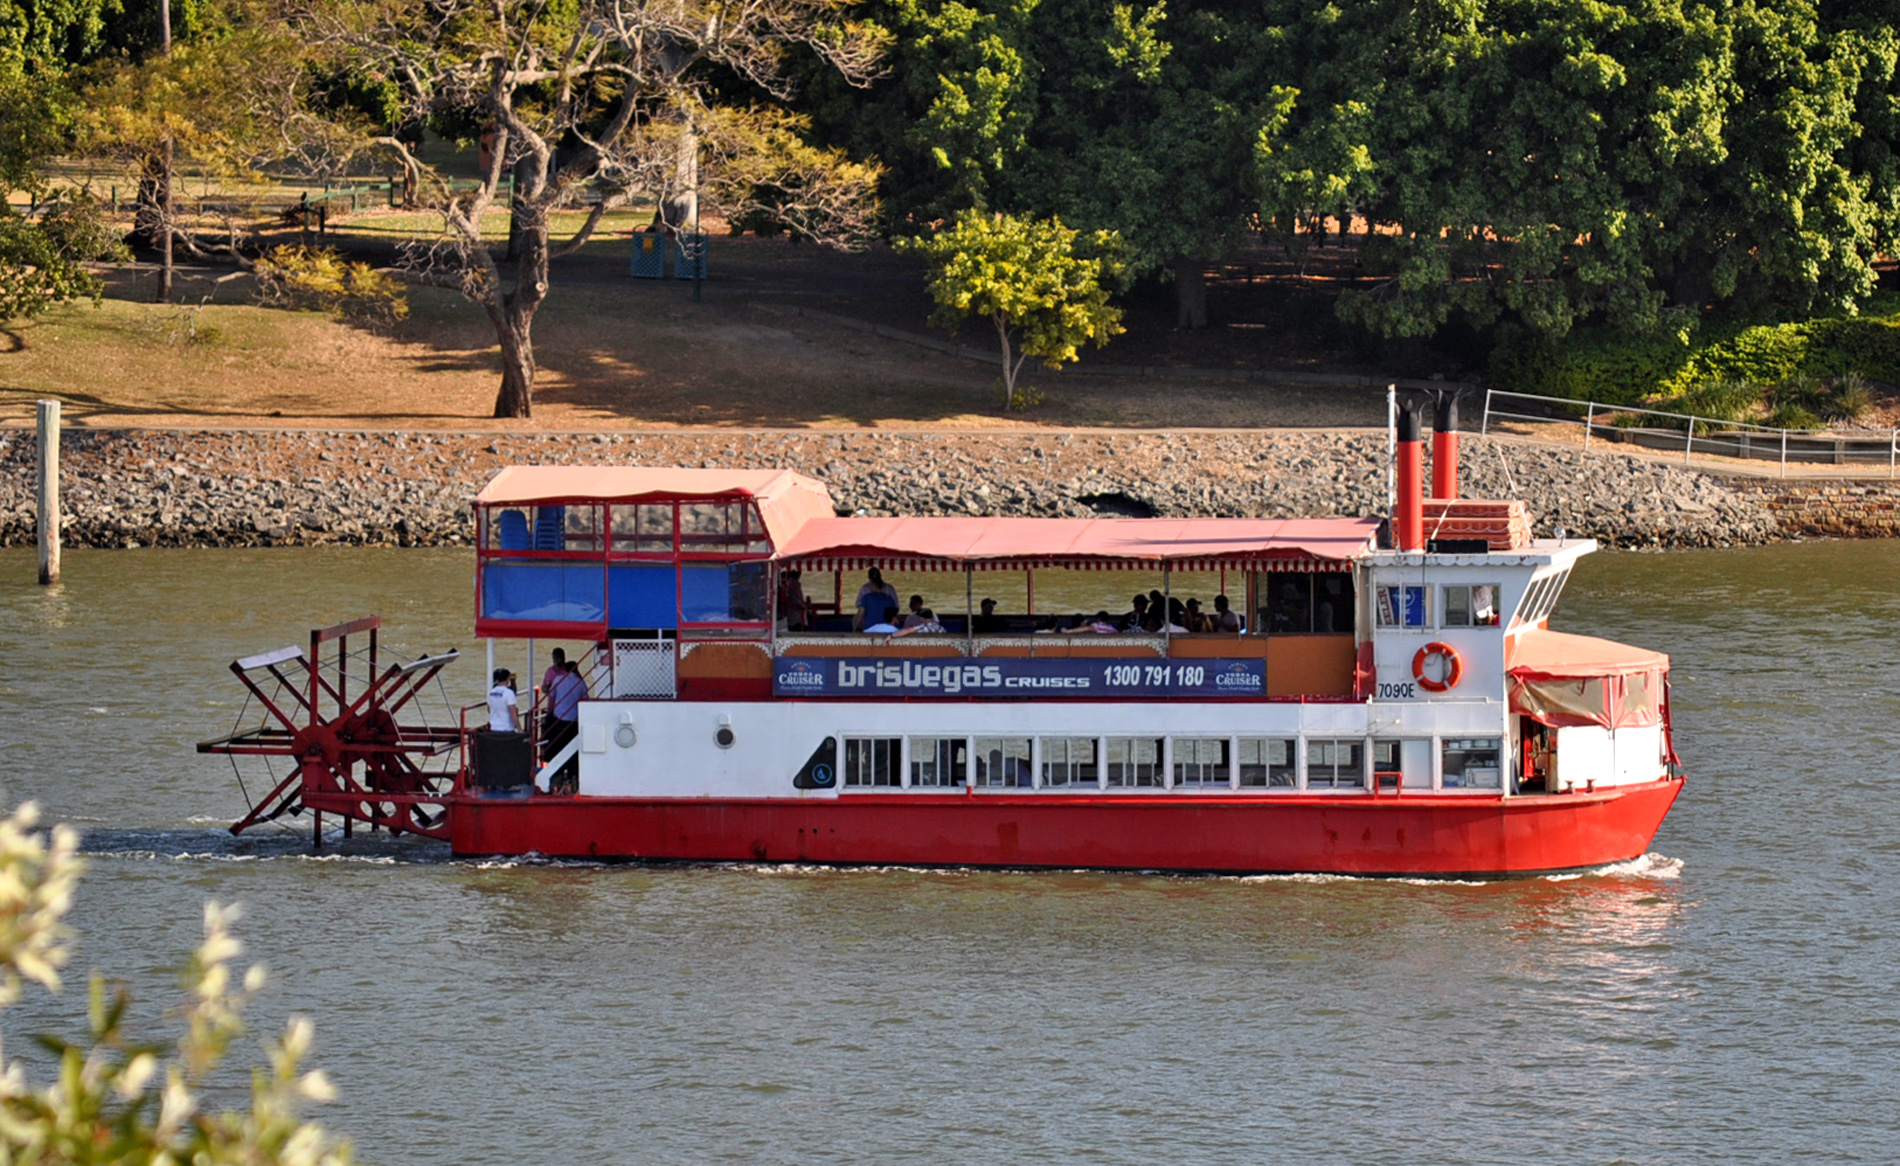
(49, 491)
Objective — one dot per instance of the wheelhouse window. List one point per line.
(1471, 606)
(871, 762)
(1335, 764)
(937, 762)
(1003, 763)
(1069, 762)
(1267, 762)
(642, 528)
(1472, 763)
(1134, 762)
(1201, 762)
(1541, 598)
(1399, 606)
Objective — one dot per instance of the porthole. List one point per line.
(624, 736)
(724, 738)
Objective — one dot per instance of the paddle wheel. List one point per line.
(351, 754)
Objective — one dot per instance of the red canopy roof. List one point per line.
(1541, 654)
(1057, 541)
(787, 501)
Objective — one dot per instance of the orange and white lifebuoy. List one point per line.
(1454, 667)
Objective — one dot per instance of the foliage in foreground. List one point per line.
(114, 1099)
(1030, 280)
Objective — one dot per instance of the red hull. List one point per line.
(1417, 834)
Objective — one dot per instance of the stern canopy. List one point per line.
(1566, 680)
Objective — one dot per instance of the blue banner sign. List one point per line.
(1016, 678)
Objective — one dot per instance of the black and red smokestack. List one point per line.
(1408, 525)
(1445, 446)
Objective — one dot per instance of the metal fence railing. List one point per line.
(1691, 435)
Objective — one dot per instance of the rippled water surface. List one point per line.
(1732, 998)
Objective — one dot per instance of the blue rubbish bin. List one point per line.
(649, 255)
(690, 262)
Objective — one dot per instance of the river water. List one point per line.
(1733, 997)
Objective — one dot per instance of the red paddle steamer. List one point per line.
(1399, 709)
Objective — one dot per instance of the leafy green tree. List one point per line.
(1042, 293)
(118, 1099)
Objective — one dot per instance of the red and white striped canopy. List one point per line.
(1082, 544)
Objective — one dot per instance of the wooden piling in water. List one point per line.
(49, 491)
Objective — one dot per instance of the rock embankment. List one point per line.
(252, 488)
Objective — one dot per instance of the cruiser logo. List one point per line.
(801, 677)
(1238, 677)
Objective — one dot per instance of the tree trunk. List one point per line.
(165, 231)
(1190, 292)
(165, 195)
(1009, 366)
(680, 208)
(148, 215)
(513, 313)
(512, 326)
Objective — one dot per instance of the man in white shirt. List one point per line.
(504, 707)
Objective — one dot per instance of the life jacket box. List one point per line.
(503, 760)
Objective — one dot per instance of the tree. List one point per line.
(1044, 298)
(116, 1099)
(590, 104)
(1106, 114)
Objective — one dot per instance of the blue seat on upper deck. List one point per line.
(550, 528)
(511, 531)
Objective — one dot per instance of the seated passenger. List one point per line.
(988, 622)
(1196, 620)
(926, 624)
(1177, 614)
(1101, 624)
(1137, 614)
(917, 611)
(882, 625)
(1157, 612)
(1226, 619)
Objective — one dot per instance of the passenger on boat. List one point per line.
(564, 714)
(1137, 614)
(877, 601)
(555, 669)
(1101, 624)
(1157, 611)
(987, 621)
(917, 612)
(504, 707)
(792, 607)
(1226, 619)
(1195, 620)
(926, 624)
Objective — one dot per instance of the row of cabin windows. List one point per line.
(1073, 763)
(650, 528)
